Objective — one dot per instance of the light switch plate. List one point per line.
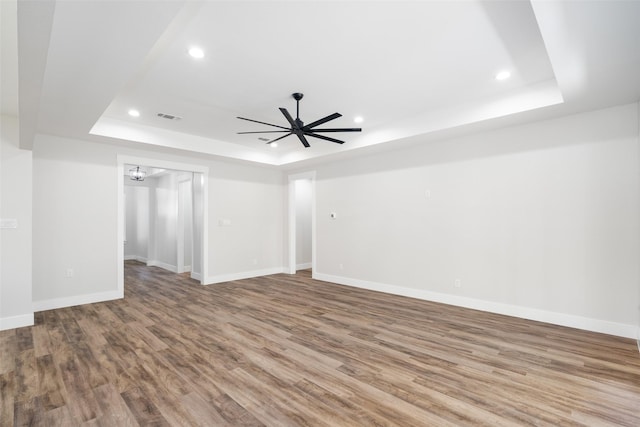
(8, 223)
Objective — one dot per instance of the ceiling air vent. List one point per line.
(169, 116)
(263, 139)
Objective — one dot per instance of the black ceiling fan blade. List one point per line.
(279, 138)
(337, 130)
(265, 131)
(289, 118)
(263, 123)
(321, 121)
(303, 140)
(301, 137)
(326, 138)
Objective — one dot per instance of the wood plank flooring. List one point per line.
(287, 350)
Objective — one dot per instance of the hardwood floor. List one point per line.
(288, 350)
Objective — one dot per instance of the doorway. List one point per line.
(302, 222)
(159, 221)
(176, 219)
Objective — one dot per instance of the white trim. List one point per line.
(121, 235)
(292, 226)
(135, 258)
(303, 266)
(13, 322)
(52, 304)
(311, 175)
(204, 264)
(196, 276)
(181, 219)
(166, 164)
(562, 319)
(156, 263)
(244, 275)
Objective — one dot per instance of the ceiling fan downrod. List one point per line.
(298, 96)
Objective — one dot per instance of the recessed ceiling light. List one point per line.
(274, 144)
(503, 75)
(134, 113)
(196, 52)
(358, 119)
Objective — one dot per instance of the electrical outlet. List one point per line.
(341, 267)
(457, 283)
(254, 261)
(69, 272)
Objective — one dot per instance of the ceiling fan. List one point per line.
(301, 130)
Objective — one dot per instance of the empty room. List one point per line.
(324, 213)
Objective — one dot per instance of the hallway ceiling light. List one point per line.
(136, 174)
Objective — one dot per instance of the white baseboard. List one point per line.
(243, 275)
(303, 266)
(196, 276)
(156, 263)
(13, 322)
(135, 258)
(562, 319)
(52, 304)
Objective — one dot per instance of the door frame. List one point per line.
(164, 164)
(311, 175)
(182, 218)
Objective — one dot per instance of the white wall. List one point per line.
(303, 223)
(75, 219)
(165, 210)
(74, 222)
(539, 221)
(185, 222)
(249, 200)
(15, 243)
(137, 220)
(171, 215)
(198, 221)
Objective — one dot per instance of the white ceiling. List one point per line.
(413, 69)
